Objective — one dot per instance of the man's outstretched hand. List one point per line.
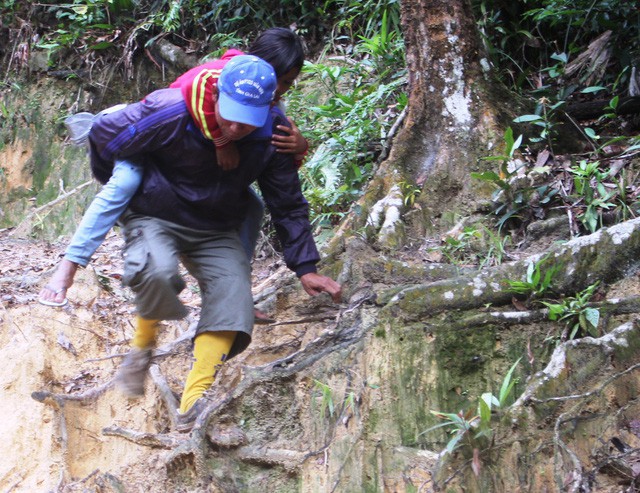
(314, 284)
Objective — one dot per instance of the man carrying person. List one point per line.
(188, 210)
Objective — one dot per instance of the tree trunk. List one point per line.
(451, 121)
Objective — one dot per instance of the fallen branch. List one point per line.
(587, 110)
(24, 228)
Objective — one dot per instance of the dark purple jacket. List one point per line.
(183, 183)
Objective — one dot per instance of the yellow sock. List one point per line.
(209, 352)
(146, 332)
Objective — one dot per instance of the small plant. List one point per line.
(589, 187)
(538, 280)
(351, 402)
(326, 398)
(576, 313)
(460, 425)
(496, 247)
(511, 197)
(458, 248)
(471, 427)
(410, 193)
(511, 146)
(549, 103)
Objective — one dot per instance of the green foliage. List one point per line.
(169, 20)
(460, 425)
(576, 312)
(382, 47)
(556, 53)
(514, 200)
(470, 428)
(458, 248)
(410, 193)
(361, 18)
(77, 20)
(348, 126)
(538, 280)
(511, 146)
(518, 35)
(221, 42)
(326, 398)
(589, 187)
(496, 247)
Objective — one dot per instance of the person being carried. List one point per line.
(281, 48)
(187, 210)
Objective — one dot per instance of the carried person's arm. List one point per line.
(291, 141)
(100, 217)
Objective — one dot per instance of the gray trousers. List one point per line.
(216, 259)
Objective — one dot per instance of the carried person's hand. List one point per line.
(292, 143)
(228, 156)
(314, 284)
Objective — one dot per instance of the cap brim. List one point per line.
(235, 112)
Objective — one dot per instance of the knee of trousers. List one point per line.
(158, 280)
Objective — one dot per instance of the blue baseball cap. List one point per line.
(246, 88)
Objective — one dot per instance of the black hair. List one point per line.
(281, 48)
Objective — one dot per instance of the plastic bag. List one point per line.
(78, 126)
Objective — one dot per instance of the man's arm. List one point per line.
(289, 209)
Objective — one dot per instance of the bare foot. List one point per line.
(55, 291)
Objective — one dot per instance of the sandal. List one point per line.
(55, 292)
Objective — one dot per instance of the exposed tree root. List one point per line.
(591, 393)
(165, 392)
(191, 450)
(290, 460)
(606, 308)
(153, 440)
(577, 261)
(90, 395)
(329, 342)
(570, 473)
(571, 478)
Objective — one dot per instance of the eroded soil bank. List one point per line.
(330, 398)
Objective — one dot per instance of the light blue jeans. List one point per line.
(111, 202)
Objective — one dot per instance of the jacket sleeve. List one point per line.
(139, 128)
(281, 189)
